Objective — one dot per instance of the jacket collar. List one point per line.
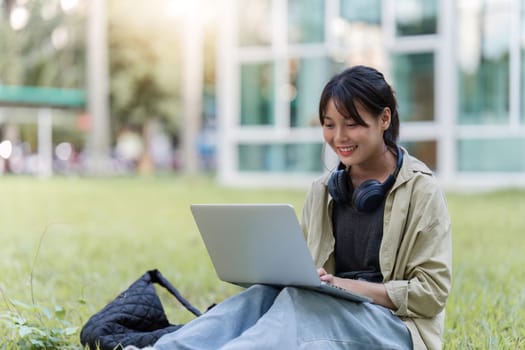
(410, 167)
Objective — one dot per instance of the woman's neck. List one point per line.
(378, 167)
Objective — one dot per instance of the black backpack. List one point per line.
(135, 317)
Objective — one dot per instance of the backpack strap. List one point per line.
(157, 277)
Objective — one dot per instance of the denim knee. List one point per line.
(261, 290)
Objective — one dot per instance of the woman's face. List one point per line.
(355, 144)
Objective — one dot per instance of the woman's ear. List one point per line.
(386, 118)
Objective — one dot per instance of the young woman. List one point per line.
(378, 225)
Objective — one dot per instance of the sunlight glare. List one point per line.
(68, 5)
(179, 9)
(19, 18)
(6, 149)
(182, 9)
(63, 151)
(60, 37)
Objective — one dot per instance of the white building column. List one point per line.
(192, 82)
(446, 93)
(45, 142)
(227, 90)
(97, 87)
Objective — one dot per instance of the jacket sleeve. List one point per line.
(421, 282)
(317, 226)
(306, 213)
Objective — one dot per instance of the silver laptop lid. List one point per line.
(256, 243)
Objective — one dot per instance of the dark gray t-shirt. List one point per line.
(358, 238)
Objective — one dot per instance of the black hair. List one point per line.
(368, 87)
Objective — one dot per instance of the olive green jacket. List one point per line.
(416, 250)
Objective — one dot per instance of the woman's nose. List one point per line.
(340, 133)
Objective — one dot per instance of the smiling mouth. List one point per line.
(346, 150)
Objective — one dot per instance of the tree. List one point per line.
(145, 59)
(144, 55)
(48, 50)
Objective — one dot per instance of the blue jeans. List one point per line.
(263, 317)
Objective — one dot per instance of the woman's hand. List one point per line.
(375, 291)
(324, 276)
(331, 279)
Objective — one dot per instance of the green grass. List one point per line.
(99, 235)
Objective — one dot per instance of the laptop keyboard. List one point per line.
(334, 287)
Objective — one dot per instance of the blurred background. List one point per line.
(231, 87)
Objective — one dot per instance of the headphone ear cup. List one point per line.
(368, 195)
(338, 186)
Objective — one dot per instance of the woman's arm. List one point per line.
(375, 291)
(417, 277)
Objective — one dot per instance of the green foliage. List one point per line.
(104, 233)
(29, 56)
(144, 56)
(145, 62)
(34, 327)
(485, 307)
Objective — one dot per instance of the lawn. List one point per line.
(72, 244)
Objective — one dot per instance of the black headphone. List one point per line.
(367, 196)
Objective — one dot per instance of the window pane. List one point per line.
(426, 151)
(499, 155)
(255, 24)
(364, 11)
(522, 41)
(304, 157)
(522, 100)
(359, 29)
(308, 77)
(306, 21)
(257, 97)
(414, 85)
(483, 48)
(416, 17)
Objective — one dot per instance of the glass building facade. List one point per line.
(457, 66)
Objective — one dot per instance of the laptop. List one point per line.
(260, 244)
